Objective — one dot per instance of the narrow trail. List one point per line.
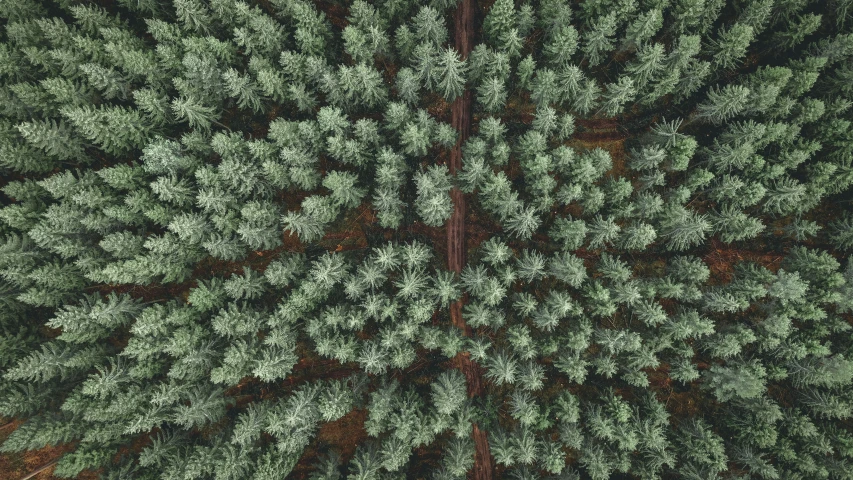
(461, 114)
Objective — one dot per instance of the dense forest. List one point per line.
(437, 239)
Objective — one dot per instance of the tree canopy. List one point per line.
(380, 239)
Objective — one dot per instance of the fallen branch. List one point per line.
(40, 469)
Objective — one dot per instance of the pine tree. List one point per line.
(643, 28)
(54, 139)
(798, 30)
(115, 129)
(499, 22)
(637, 236)
(730, 45)
(502, 368)
(741, 380)
(523, 222)
(243, 89)
(648, 63)
(561, 46)
(683, 228)
(434, 204)
(428, 26)
(451, 71)
(194, 112)
(157, 165)
(735, 225)
(449, 392)
(617, 95)
(492, 94)
(598, 40)
(723, 104)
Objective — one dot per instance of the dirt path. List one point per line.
(461, 111)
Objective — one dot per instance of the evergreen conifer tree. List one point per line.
(232, 232)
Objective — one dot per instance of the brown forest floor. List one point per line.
(20, 465)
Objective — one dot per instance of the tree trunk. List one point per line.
(460, 112)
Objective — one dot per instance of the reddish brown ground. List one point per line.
(342, 435)
(460, 119)
(722, 258)
(19, 465)
(346, 433)
(599, 130)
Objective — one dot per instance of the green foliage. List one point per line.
(451, 73)
(115, 129)
(562, 45)
(737, 380)
(313, 31)
(433, 203)
(723, 104)
(492, 94)
(683, 228)
(729, 47)
(702, 449)
(842, 233)
(55, 360)
(157, 163)
(568, 268)
(499, 22)
(42, 430)
(94, 319)
(55, 139)
(502, 368)
(195, 113)
(617, 95)
(449, 392)
(643, 27)
(598, 39)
